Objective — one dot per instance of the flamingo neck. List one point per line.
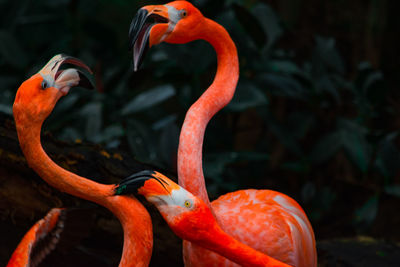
(138, 231)
(48, 170)
(135, 220)
(217, 96)
(220, 242)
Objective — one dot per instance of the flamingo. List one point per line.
(44, 236)
(34, 101)
(45, 230)
(191, 219)
(286, 233)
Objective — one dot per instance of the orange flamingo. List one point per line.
(49, 226)
(191, 219)
(47, 234)
(286, 234)
(34, 101)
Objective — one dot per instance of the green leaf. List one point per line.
(388, 156)
(66, 104)
(351, 137)
(282, 85)
(148, 99)
(326, 147)
(269, 22)
(326, 53)
(393, 190)
(141, 141)
(371, 79)
(168, 144)
(94, 120)
(357, 148)
(351, 126)
(111, 132)
(322, 201)
(284, 66)
(70, 133)
(285, 137)
(364, 65)
(215, 163)
(7, 109)
(367, 213)
(299, 123)
(325, 84)
(251, 25)
(247, 96)
(164, 122)
(355, 143)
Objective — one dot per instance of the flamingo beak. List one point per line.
(65, 79)
(146, 183)
(148, 27)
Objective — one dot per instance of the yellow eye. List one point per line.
(188, 204)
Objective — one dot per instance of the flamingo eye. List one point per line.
(183, 13)
(44, 84)
(188, 204)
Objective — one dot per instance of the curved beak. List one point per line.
(147, 183)
(65, 79)
(141, 28)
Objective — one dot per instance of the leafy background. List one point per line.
(314, 115)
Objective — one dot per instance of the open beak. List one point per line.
(146, 183)
(63, 80)
(141, 28)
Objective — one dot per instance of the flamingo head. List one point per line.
(176, 22)
(37, 96)
(188, 216)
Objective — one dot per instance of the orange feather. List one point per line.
(268, 221)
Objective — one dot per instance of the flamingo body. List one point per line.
(265, 220)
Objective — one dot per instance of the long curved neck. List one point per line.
(218, 95)
(138, 231)
(225, 245)
(135, 220)
(48, 170)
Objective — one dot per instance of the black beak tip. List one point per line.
(65, 59)
(144, 173)
(139, 32)
(131, 184)
(136, 25)
(85, 81)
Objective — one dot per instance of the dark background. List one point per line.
(315, 114)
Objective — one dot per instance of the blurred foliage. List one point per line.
(297, 119)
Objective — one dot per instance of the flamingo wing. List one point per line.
(60, 229)
(268, 221)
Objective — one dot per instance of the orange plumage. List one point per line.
(35, 100)
(268, 221)
(22, 254)
(191, 219)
